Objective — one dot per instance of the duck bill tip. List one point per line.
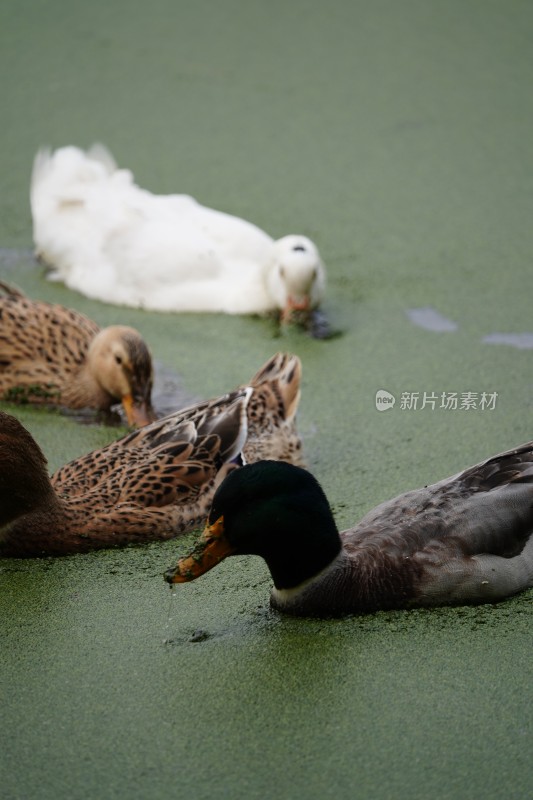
(295, 306)
(210, 550)
(138, 413)
(175, 575)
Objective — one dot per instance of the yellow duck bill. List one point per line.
(210, 550)
(138, 412)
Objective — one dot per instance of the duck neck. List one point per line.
(301, 559)
(323, 594)
(83, 390)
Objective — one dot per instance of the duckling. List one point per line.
(152, 484)
(53, 355)
(109, 239)
(466, 539)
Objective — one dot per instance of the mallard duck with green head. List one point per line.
(466, 539)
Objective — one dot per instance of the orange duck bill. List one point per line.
(210, 550)
(138, 412)
(296, 306)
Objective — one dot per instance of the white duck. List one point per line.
(115, 242)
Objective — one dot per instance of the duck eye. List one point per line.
(118, 359)
(298, 248)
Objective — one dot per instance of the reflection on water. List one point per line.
(11, 257)
(523, 341)
(431, 320)
(168, 394)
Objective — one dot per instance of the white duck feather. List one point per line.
(107, 238)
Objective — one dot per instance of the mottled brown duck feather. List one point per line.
(153, 483)
(272, 431)
(53, 355)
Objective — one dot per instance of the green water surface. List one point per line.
(398, 135)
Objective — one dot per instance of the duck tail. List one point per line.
(284, 373)
(42, 164)
(99, 152)
(55, 175)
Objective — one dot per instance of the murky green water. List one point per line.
(398, 136)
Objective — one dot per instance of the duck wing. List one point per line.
(210, 434)
(464, 539)
(143, 487)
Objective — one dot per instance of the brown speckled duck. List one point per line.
(152, 484)
(272, 432)
(466, 539)
(53, 355)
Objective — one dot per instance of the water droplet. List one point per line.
(170, 612)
